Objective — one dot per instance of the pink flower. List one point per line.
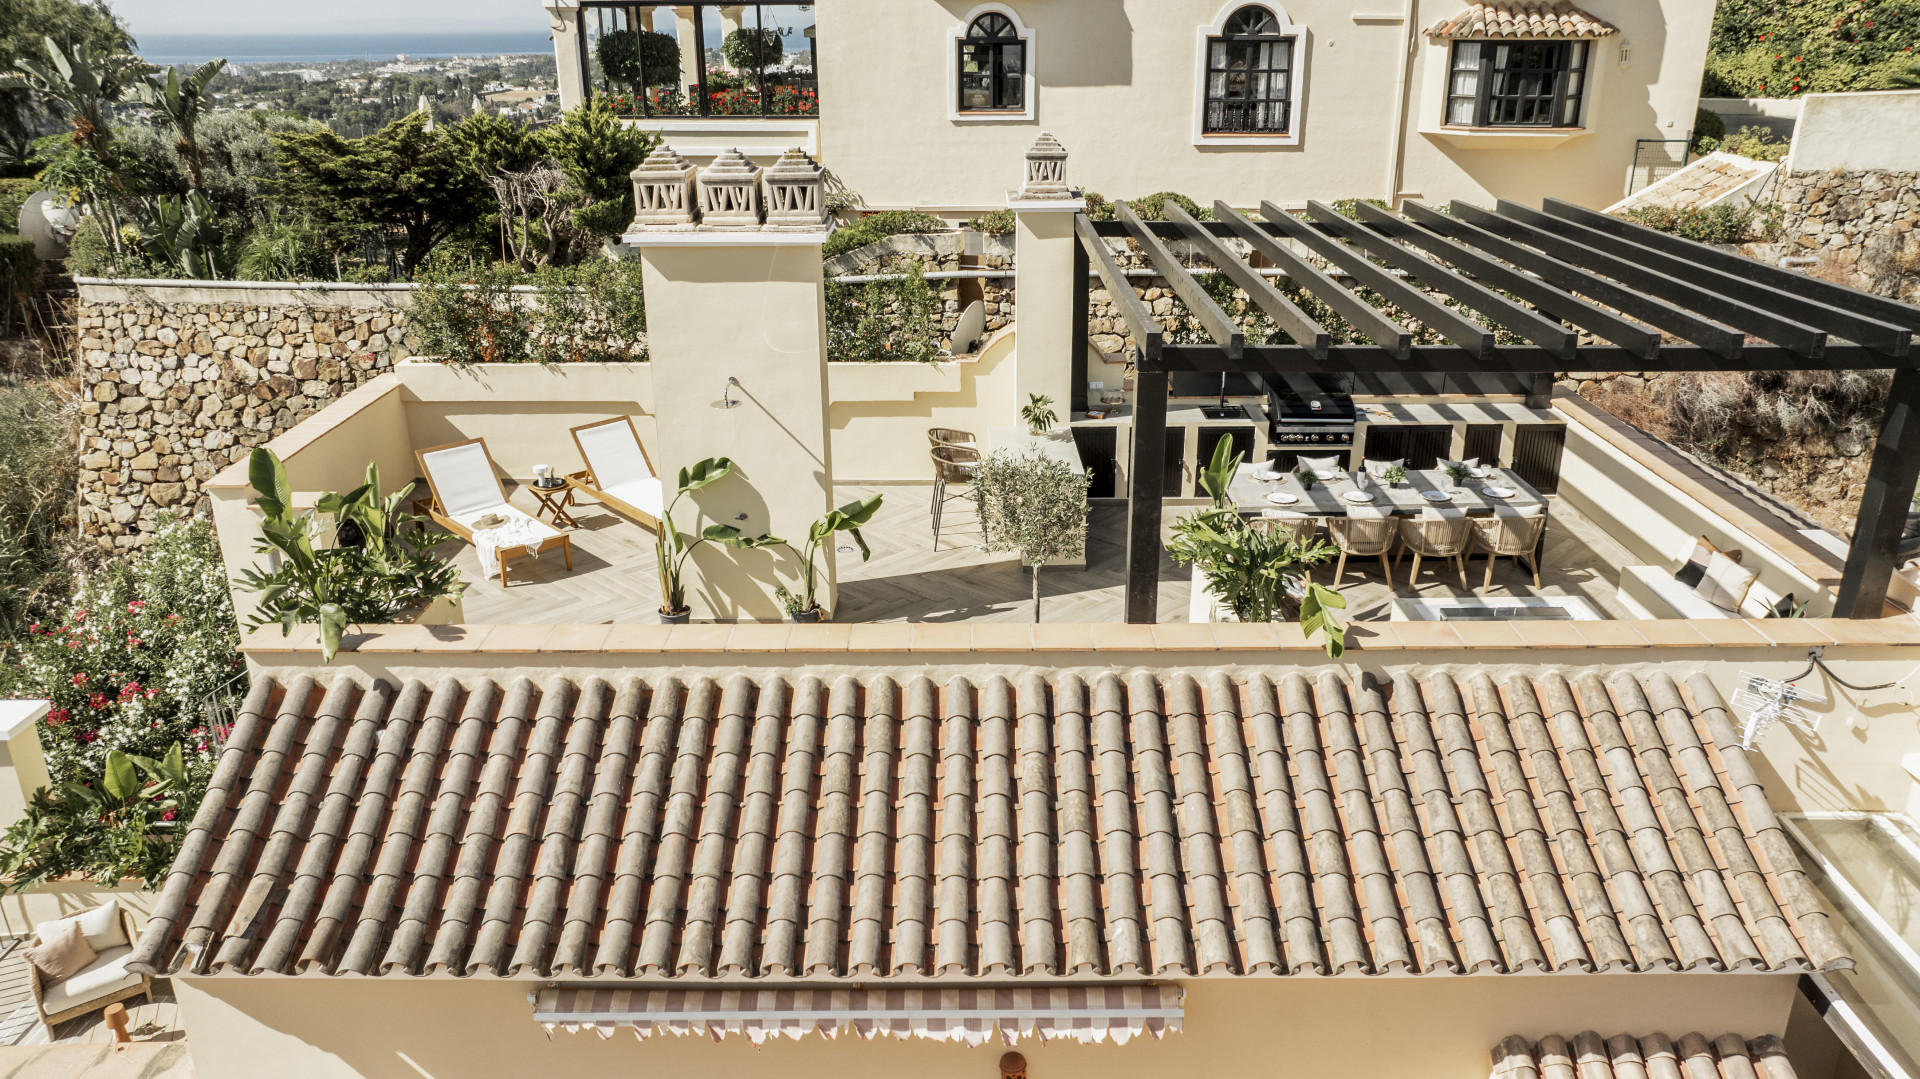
(80, 679)
(131, 689)
(58, 716)
(151, 694)
(170, 814)
(79, 616)
(35, 628)
(135, 605)
(98, 701)
(89, 736)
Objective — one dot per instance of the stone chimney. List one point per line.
(730, 191)
(794, 195)
(663, 189)
(1046, 170)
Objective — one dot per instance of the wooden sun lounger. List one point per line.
(477, 498)
(614, 473)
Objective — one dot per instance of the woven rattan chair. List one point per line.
(1436, 537)
(1516, 537)
(1367, 537)
(951, 436)
(952, 465)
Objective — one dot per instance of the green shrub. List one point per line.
(1764, 48)
(36, 501)
(471, 314)
(1726, 223)
(12, 193)
(994, 223)
(282, 249)
(1154, 207)
(592, 312)
(883, 321)
(17, 261)
(878, 226)
(88, 254)
(1707, 127)
(1757, 143)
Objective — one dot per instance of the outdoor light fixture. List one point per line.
(1013, 1066)
(726, 394)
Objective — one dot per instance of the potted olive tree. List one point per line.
(1031, 504)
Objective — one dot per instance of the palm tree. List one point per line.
(181, 102)
(82, 87)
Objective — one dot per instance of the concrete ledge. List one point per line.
(313, 428)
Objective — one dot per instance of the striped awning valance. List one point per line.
(1083, 1013)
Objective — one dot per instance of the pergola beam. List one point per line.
(1371, 359)
(1723, 340)
(1451, 324)
(1529, 324)
(1219, 325)
(1530, 227)
(1377, 327)
(1138, 317)
(1600, 322)
(1295, 323)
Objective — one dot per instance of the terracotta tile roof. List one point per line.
(1147, 826)
(1653, 1057)
(1556, 19)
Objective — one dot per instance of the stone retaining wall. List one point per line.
(180, 381)
(943, 251)
(1866, 223)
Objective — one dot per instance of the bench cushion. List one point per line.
(103, 977)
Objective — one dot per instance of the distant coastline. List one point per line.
(319, 48)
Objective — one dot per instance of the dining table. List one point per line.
(1253, 494)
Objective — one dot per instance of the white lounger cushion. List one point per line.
(613, 453)
(643, 495)
(541, 528)
(105, 975)
(464, 479)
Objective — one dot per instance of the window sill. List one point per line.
(1505, 138)
(991, 116)
(1233, 141)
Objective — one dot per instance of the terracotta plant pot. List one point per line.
(806, 618)
(676, 618)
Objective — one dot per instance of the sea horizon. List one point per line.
(319, 48)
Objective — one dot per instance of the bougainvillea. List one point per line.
(137, 653)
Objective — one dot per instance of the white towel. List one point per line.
(519, 531)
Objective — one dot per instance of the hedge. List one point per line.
(12, 193)
(17, 261)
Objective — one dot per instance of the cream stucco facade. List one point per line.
(1435, 1027)
(1119, 83)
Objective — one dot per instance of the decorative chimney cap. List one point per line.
(794, 164)
(1046, 170)
(663, 163)
(731, 166)
(730, 192)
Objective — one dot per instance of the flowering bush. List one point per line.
(138, 650)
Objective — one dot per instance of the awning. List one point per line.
(1083, 1013)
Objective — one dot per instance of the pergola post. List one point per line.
(1144, 481)
(1883, 505)
(1077, 349)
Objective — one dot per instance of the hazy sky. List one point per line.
(332, 16)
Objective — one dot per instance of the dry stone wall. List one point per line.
(943, 251)
(1864, 223)
(180, 382)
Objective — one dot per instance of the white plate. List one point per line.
(1436, 496)
(1357, 496)
(1498, 492)
(1479, 473)
(1265, 474)
(1325, 474)
(1282, 498)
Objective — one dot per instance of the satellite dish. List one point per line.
(970, 329)
(49, 221)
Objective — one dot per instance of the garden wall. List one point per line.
(1862, 221)
(178, 381)
(945, 251)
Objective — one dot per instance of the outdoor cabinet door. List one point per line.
(1173, 483)
(1536, 455)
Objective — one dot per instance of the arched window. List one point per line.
(1250, 67)
(993, 66)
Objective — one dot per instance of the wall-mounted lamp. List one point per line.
(1013, 1066)
(1626, 55)
(726, 395)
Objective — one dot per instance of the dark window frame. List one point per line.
(1243, 38)
(997, 45)
(1540, 76)
(753, 17)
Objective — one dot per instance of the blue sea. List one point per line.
(313, 48)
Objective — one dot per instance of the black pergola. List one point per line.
(1549, 277)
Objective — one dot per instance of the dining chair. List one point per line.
(1441, 535)
(952, 466)
(1367, 532)
(951, 436)
(1514, 534)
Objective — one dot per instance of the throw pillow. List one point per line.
(1724, 584)
(1324, 464)
(1443, 464)
(1703, 551)
(63, 950)
(1378, 469)
(101, 926)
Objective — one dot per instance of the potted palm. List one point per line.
(380, 568)
(1260, 576)
(1218, 474)
(671, 549)
(1038, 412)
(1395, 475)
(849, 518)
(1458, 472)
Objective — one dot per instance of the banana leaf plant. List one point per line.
(1218, 473)
(671, 549)
(379, 569)
(850, 518)
(185, 233)
(1255, 573)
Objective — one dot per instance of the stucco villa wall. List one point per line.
(1436, 1027)
(1117, 84)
